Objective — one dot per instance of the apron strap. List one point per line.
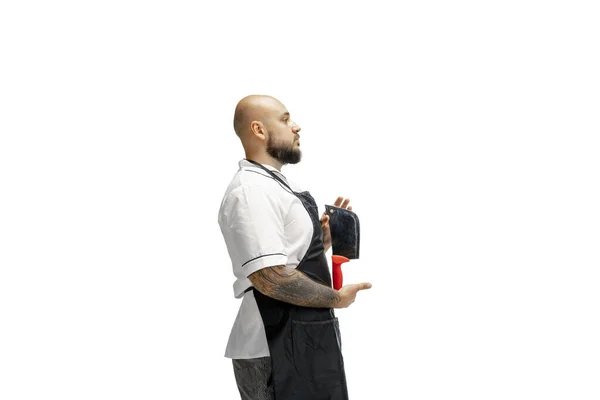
(271, 173)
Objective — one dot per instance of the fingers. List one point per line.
(338, 201)
(342, 203)
(357, 287)
(324, 219)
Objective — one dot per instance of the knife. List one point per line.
(345, 240)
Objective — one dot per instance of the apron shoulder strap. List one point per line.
(272, 174)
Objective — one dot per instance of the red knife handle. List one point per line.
(338, 277)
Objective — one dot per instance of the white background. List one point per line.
(465, 134)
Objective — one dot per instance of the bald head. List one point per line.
(267, 131)
(253, 108)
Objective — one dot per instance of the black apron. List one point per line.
(304, 343)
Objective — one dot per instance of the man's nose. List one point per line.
(296, 128)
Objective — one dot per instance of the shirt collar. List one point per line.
(248, 164)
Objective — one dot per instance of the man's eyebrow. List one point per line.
(285, 114)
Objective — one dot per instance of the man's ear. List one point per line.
(258, 129)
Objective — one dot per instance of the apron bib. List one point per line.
(304, 343)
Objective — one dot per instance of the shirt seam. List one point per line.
(264, 255)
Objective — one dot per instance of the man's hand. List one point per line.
(339, 202)
(348, 293)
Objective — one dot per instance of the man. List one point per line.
(285, 342)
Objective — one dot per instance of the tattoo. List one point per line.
(292, 286)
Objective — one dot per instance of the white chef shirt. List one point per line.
(263, 225)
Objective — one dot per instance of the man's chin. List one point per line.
(290, 161)
(298, 158)
(287, 157)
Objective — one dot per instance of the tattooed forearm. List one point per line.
(292, 286)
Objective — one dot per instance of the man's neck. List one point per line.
(265, 159)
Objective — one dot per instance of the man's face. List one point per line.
(283, 143)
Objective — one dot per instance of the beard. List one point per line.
(283, 152)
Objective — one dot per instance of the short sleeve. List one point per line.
(253, 227)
